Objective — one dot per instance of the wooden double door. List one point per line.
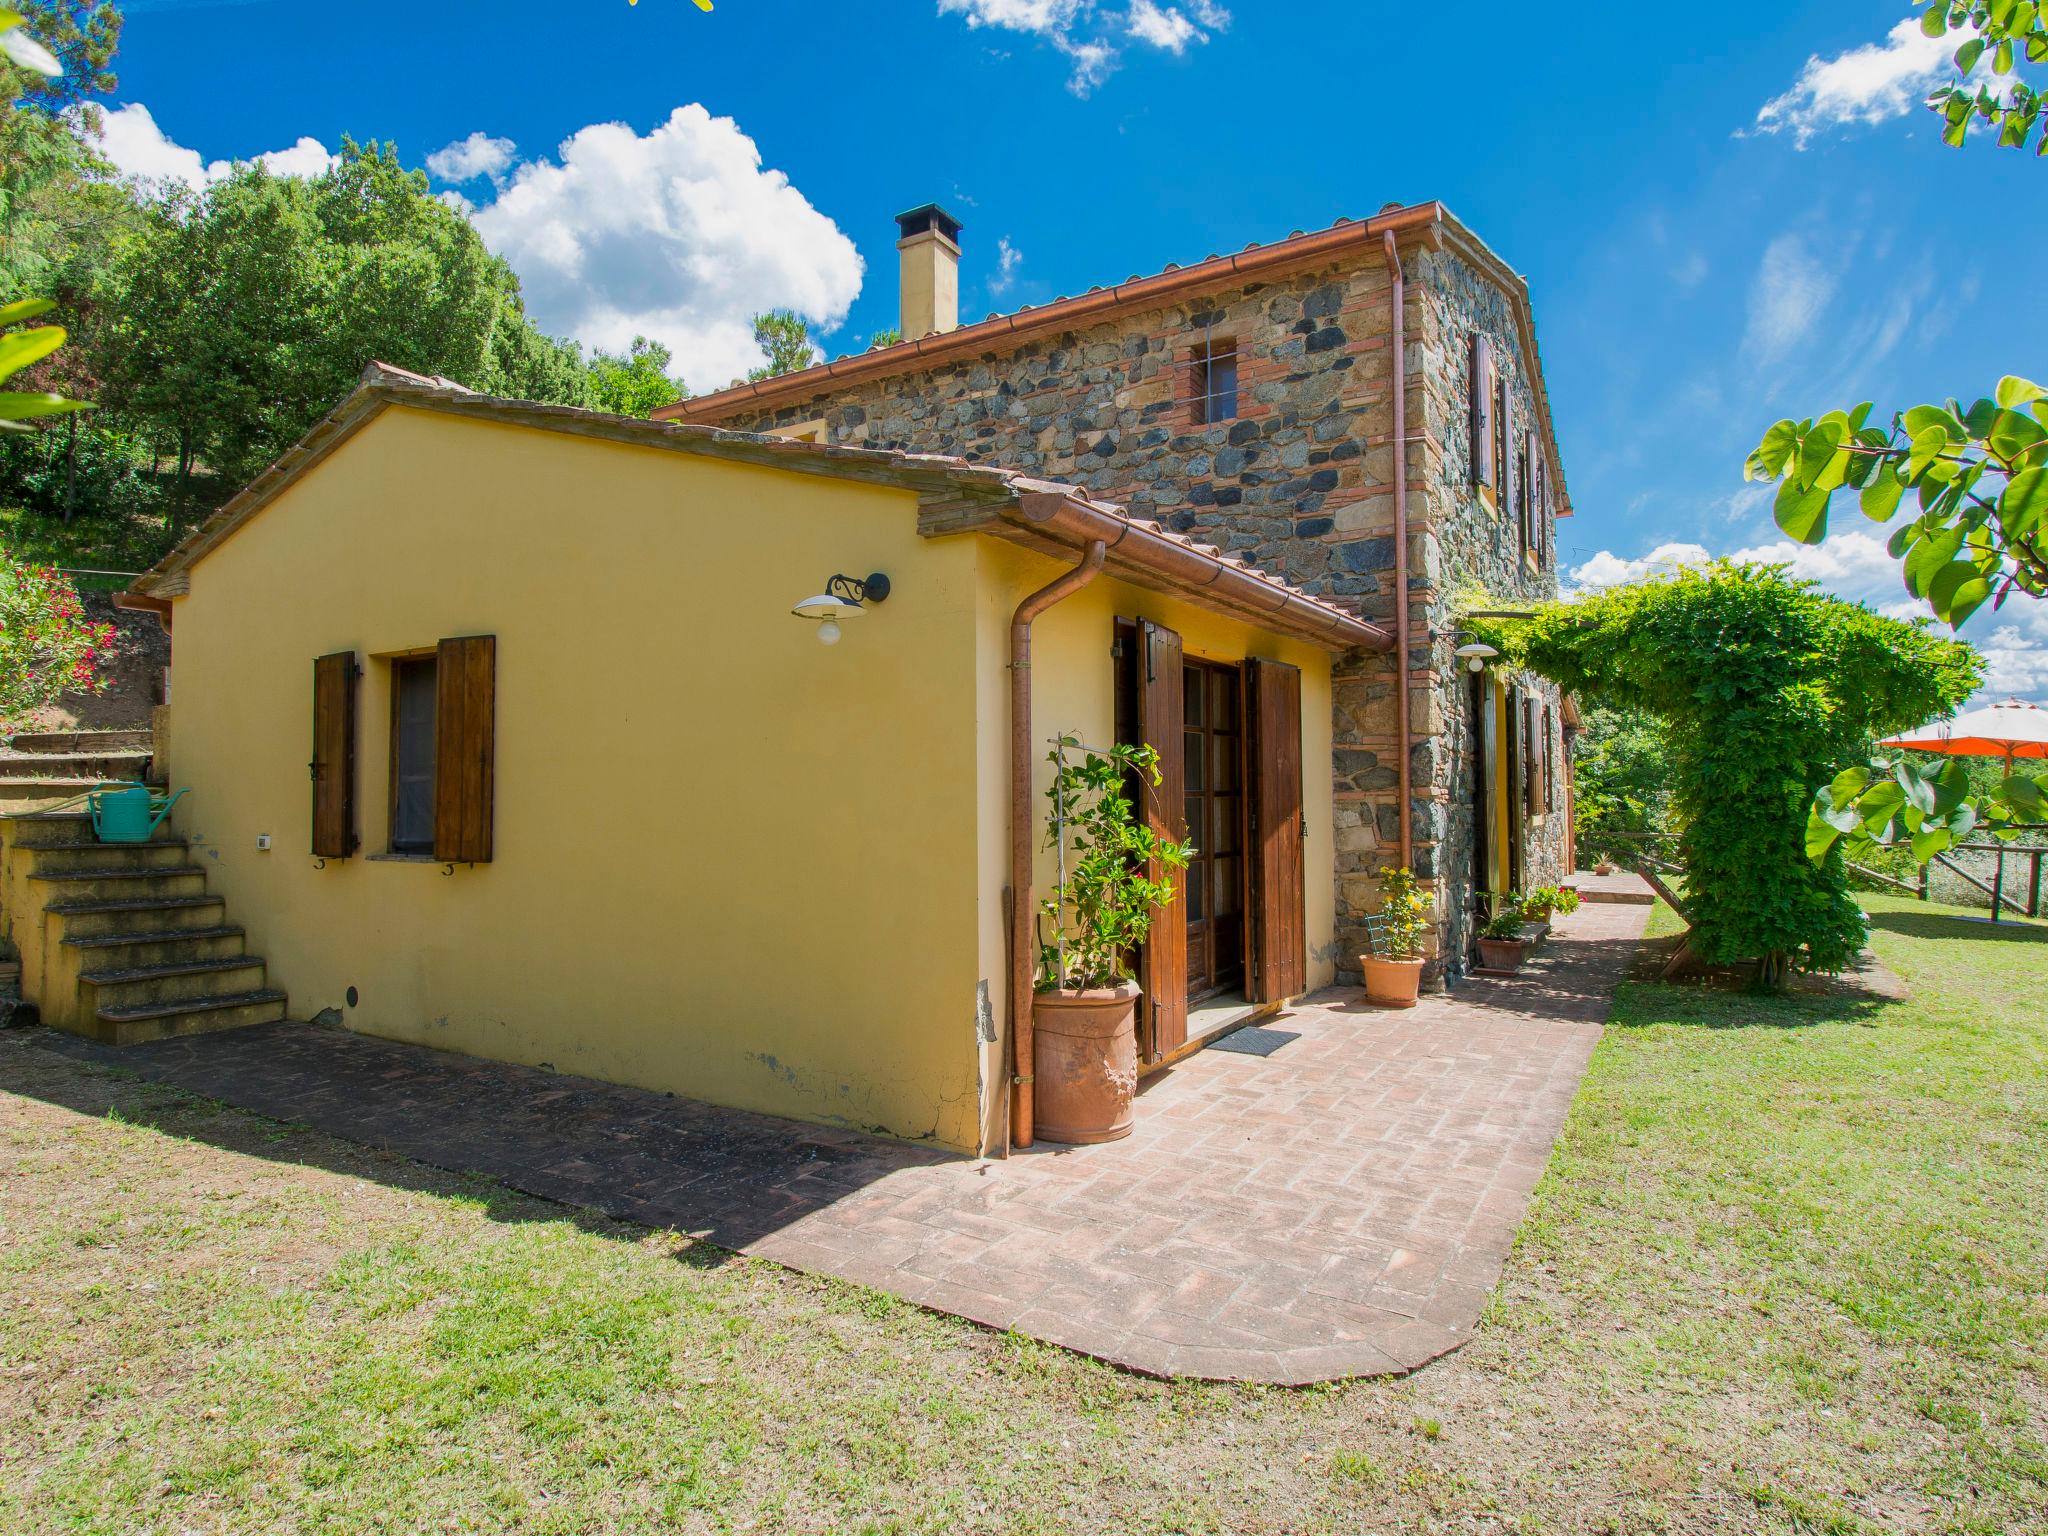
(1228, 736)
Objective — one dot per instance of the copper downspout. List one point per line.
(1402, 725)
(1022, 950)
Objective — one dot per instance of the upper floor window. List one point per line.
(1212, 379)
(1483, 460)
(414, 694)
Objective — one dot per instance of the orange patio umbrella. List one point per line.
(2012, 730)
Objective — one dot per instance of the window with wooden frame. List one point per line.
(1549, 759)
(1483, 460)
(414, 680)
(1212, 380)
(1525, 492)
(443, 751)
(1539, 507)
(1501, 410)
(1532, 758)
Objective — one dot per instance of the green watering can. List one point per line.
(129, 814)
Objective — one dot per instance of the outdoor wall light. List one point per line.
(1477, 655)
(843, 597)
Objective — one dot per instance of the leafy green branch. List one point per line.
(1928, 811)
(1979, 478)
(2006, 31)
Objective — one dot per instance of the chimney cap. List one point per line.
(929, 216)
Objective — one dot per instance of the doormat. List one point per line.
(1255, 1040)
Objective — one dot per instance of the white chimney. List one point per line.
(931, 271)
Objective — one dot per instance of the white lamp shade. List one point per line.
(825, 606)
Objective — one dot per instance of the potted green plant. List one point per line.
(1393, 970)
(1503, 942)
(1084, 1037)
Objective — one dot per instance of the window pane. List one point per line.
(1195, 767)
(1191, 880)
(1228, 874)
(1191, 697)
(1223, 752)
(1226, 699)
(412, 800)
(1223, 388)
(1223, 824)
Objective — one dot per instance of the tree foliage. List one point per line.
(635, 382)
(240, 314)
(81, 36)
(785, 336)
(1621, 782)
(1765, 685)
(1999, 34)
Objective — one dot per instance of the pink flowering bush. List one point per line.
(47, 645)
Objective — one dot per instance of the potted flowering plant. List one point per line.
(1503, 942)
(1393, 971)
(1085, 1047)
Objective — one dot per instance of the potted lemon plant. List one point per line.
(1398, 932)
(1085, 1045)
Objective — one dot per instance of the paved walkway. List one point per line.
(1339, 1206)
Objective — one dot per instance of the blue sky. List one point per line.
(1696, 272)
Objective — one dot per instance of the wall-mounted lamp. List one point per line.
(843, 597)
(1477, 655)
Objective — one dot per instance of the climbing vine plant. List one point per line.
(1766, 686)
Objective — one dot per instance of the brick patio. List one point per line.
(1340, 1206)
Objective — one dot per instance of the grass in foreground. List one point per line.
(1786, 1274)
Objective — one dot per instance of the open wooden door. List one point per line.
(1163, 965)
(1276, 959)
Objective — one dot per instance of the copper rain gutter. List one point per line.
(1022, 950)
(1401, 684)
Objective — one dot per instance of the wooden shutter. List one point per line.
(1504, 476)
(1482, 410)
(1549, 760)
(1163, 967)
(1532, 759)
(334, 755)
(1532, 533)
(1276, 943)
(465, 748)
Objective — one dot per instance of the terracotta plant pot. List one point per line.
(1085, 1058)
(1391, 983)
(1502, 954)
(1603, 868)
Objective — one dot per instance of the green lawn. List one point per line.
(1788, 1272)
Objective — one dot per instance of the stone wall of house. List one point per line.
(1299, 482)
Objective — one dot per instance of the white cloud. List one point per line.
(131, 141)
(1866, 85)
(1008, 260)
(678, 234)
(1162, 27)
(1608, 569)
(467, 159)
(1789, 293)
(1088, 37)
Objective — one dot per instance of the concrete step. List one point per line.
(182, 981)
(32, 794)
(93, 917)
(130, 949)
(58, 829)
(164, 1021)
(124, 884)
(124, 767)
(86, 858)
(81, 741)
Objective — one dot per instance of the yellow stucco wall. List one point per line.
(1074, 692)
(730, 862)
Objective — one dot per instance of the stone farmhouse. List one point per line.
(1260, 403)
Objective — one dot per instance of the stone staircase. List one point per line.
(122, 942)
(46, 768)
